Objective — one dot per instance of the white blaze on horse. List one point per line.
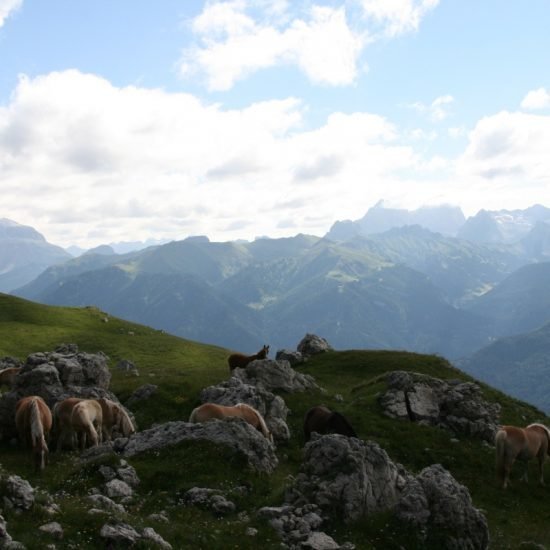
(33, 420)
(240, 360)
(209, 411)
(115, 418)
(513, 443)
(86, 422)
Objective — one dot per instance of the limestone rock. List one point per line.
(440, 511)
(142, 393)
(150, 536)
(270, 406)
(453, 405)
(233, 433)
(210, 499)
(275, 376)
(18, 493)
(312, 344)
(53, 529)
(293, 357)
(119, 533)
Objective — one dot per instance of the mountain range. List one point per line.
(406, 287)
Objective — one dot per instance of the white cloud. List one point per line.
(97, 163)
(437, 110)
(7, 7)
(536, 99)
(398, 16)
(234, 45)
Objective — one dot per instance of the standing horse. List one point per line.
(115, 417)
(322, 420)
(33, 420)
(209, 411)
(63, 429)
(86, 422)
(523, 444)
(240, 360)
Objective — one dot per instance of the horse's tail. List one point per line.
(263, 427)
(500, 446)
(37, 430)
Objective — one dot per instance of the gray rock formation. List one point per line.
(293, 357)
(142, 393)
(275, 376)
(54, 376)
(128, 367)
(440, 512)
(312, 344)
(17, 493)
(270, 406)
(453, 405)
(233, 433)
(210, 499)
(347, 478)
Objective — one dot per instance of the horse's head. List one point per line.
(123, 422)
(263, 352)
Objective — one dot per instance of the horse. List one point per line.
(524, 444)
(33, 420)
(209, 411)
(63, 429)
(7, 376)
(86, 422)
(115, 416)
(322, 420)
(241, 360)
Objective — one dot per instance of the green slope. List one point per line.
(181, 369)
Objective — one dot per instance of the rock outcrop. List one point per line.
(275, 376)
(234, 433)
(270, 406)
(311, 344)
(453, 405)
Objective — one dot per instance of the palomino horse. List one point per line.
(86, 422)
(322, 420)
(115, 417)
(209, 411)
(33, 420)
(240, 360)
(63, 429)
(7, 376)
(523, 444)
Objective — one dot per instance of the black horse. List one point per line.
(322, 420)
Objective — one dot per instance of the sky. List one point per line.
(130, 120)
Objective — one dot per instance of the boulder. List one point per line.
(312, 344)
(119, 534)
(270, 406)
(128, 367)
(453, 405)
(151, 538)
(275, 376)
(347, 478)
(142, 393)
(440, 512)
(210, 499)
(234, 433)
(53, 529)
(293, 357)
(17, 493)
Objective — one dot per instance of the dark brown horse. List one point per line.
(322, 420)
(240, 360)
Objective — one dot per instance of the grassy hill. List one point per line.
(181, 369)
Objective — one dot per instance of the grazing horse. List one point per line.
(33, 420)
(63, 429)
(523, 444)
(115, 417)
(240, 360)
(86, 422)
(209, 411)
(7, 376)
(322, 420)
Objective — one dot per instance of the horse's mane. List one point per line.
(124, 424)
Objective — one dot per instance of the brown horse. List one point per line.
(523, 444)
(86, 422)
(209, 411)
(240, 360)
(115, 417)
(33, 420)
(7, 376)
(322, 420)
